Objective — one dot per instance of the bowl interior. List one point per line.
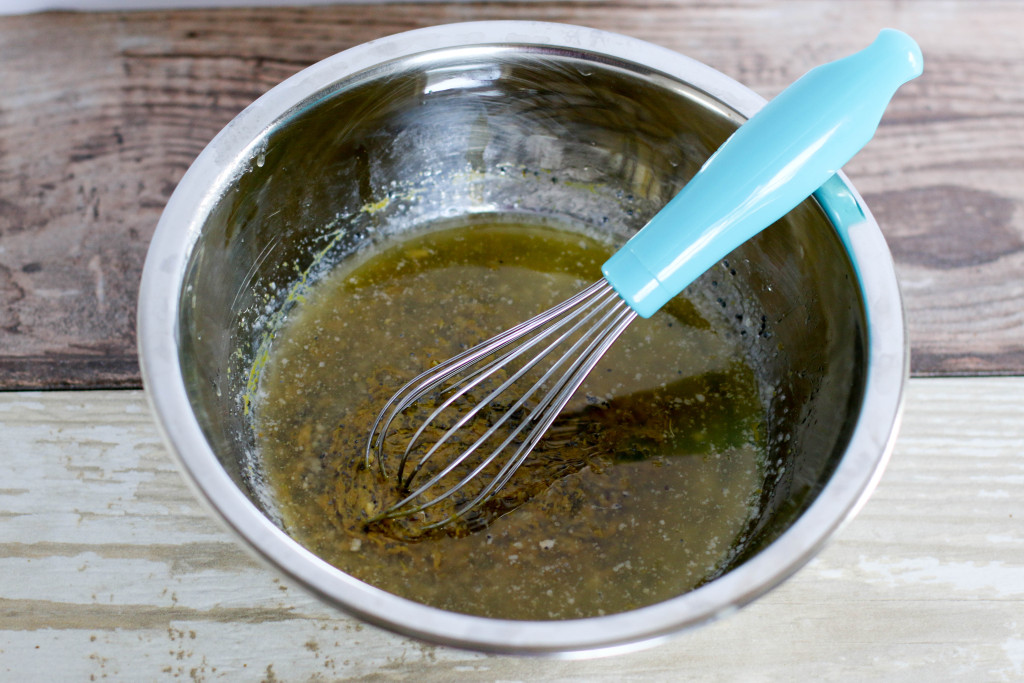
(577, 138)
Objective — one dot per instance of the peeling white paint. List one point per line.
(997, 539)
(1014, 649)
(995, 578)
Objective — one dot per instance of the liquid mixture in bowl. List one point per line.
(639, 493)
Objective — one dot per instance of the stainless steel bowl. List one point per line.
(553, 121)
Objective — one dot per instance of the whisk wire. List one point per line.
(428, 380)
(577, 313)
(567, 310)
(482, 374)
(539, 418)
(550, 409)
(489, 369)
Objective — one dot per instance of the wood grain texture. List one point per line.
(102, 113)
(111, 569)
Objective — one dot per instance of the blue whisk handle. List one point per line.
(769, 165)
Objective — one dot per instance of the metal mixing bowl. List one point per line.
(580, 126)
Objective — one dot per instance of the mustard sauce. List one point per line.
(638, 494)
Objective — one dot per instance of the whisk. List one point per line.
(486, 409)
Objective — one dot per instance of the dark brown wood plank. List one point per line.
(100, 115)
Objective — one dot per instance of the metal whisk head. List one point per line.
(475, 418)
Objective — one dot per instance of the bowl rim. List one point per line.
(179, 227)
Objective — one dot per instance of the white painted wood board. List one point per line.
(110, 569)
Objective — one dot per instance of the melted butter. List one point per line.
(643, 502)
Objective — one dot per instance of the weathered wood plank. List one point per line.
(111, 568)
(102, 113)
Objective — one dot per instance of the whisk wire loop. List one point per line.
(485, 372)
(572, 321)
(425, 382)
(538, 420)
(543, 416)
(496, 365)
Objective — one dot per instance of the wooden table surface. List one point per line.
(109, 568)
